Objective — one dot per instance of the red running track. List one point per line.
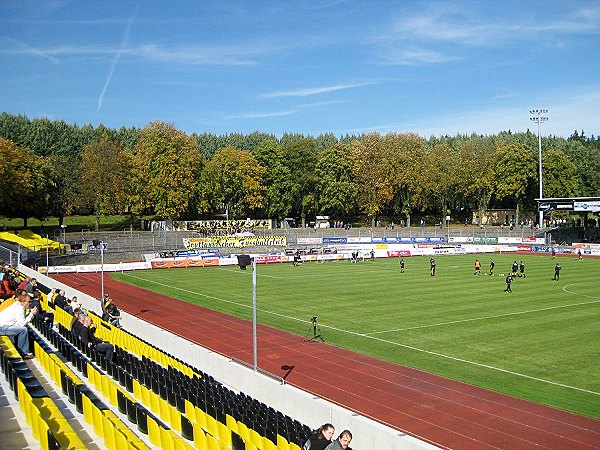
(443, 412)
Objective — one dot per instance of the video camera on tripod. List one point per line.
(316, 330)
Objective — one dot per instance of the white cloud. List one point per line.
(440, 32)
(304, 92)
(414, 56)
(566, 113)
(219, 55)
(260, 115)
(115, 61)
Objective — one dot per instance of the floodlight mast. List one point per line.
(538, 118)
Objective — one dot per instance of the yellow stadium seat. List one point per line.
(255, 438)
(154, 431)
(211, 426)
(189, 411)
(282, 443)
(268, 444)
(199, 437)
(87, 409)
(174, 418)
(200, 417)
(166, 439)
(109, 431)
(243, 431)
(213, 444)
(224, 434)
(98, 421)
(154, 402)
(231, 423)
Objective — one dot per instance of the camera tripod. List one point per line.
(316, 330)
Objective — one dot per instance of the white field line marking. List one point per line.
(243, 305)
(242, 272)
(410, 347)
(483, 318)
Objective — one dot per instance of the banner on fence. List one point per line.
(335, 240)
(169, 264)
(485, 240)
(234, 241)
(310, 241)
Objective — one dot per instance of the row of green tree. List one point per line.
(49, 168)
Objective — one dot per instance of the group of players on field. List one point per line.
(517, 269)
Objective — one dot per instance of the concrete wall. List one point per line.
(301, 405)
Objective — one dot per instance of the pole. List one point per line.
(102, 269)
(254, 340)
(540, 175)
(47, 265)
(539, 119)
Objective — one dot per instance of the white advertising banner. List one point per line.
(310, 241)
(460, 239)
(593, 205)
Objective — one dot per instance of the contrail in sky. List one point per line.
(115, 60)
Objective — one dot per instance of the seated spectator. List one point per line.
(89, 339)
(31, 286)
(76, 322)
(51, 296)
(320, 438)
(61, 301)
(9, 301)
(6, 288)
(111, 313)
(342, 442)
(24, 283)
(46, 316)
(13, 321)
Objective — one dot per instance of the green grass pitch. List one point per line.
(541, 342)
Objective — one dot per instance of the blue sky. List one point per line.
(313, 66)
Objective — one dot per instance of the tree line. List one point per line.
(50, 168)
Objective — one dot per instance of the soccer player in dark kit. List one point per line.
(509, 279)
(556, 272)
(521, 269)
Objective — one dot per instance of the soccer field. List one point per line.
(540, 342)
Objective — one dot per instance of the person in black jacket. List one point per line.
(46, 316)
(89, 339)
(320, 438)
